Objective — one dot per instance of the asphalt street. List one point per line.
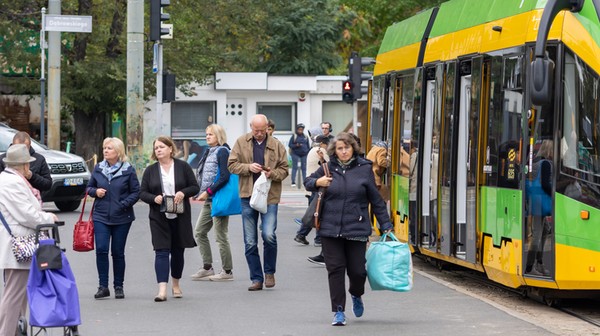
(298, 305)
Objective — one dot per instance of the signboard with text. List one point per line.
(68, 23)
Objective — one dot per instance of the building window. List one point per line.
(189, 119)
(282, 114)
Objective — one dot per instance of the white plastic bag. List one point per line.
(260, 194)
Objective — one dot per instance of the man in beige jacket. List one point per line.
(253, 154)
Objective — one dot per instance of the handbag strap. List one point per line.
(83, 207)
(6, 225)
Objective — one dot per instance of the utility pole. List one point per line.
(43, 79)
(135, 83)
(54, 7)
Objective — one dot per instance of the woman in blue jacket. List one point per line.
(116, 188)
(345, 225)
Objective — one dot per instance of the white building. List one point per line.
(237, 96)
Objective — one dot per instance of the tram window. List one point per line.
(377, 108)
(512, 72)
(504, 126)
(580, 143)
(406, 125)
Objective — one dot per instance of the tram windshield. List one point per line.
(580, 142)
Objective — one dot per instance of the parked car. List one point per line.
(69, 172)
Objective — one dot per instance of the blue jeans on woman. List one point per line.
(102, 235)
(268, 226)
(295, 160)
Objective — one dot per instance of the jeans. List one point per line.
(302, 160)
(102, 235)
(203, 226)
(267, 227)
(162, 263)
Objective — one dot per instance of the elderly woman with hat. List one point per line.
(299, 148)
(21, 207)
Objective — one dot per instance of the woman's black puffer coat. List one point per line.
(345, 211)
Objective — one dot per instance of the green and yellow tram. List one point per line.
(492, 112)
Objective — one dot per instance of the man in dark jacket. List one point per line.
(39, 173)
(299, 148)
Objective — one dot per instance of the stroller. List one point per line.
(51, 289)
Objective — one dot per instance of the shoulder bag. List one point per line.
(311, 217)
(226, 201)
(23, 247)
(83, 231)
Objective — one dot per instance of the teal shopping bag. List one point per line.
(389, 265)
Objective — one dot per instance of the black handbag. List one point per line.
(312, 215)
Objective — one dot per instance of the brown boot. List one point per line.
(269, 280)
(256, 286)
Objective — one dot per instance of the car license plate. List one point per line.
(73, 181)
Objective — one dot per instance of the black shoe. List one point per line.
(102, 293)
(119, 294)
(301, 240)
(319, 260)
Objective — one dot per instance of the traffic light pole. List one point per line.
(355, 117)
(159, 86)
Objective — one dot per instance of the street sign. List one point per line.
(68, 23)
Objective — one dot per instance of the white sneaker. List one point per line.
(222, 276)
(202, 274)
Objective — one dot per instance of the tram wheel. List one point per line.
(440, 265)
(552, 302)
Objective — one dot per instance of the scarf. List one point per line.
(112, 171)
(345, 165)
(35, 192)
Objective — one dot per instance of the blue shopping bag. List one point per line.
(52, 295)
(226, 201)
(389, 265)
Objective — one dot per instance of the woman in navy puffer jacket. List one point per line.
(116, 188)
(345, 225)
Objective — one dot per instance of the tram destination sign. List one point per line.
(68, 23)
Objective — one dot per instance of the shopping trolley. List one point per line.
(51, 289)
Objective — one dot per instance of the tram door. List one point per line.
(468, 93)
(538, 231)
(431, 155)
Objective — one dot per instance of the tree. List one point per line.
(375, 16)
(304, 37)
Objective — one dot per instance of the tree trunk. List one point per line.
(89, 134)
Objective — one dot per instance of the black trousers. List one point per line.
(344, 256)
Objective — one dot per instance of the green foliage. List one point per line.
(303, 40)
(374, 16)
(279, 36)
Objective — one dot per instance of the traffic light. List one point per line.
(357, 75)
(157, 17)
(347, 95)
